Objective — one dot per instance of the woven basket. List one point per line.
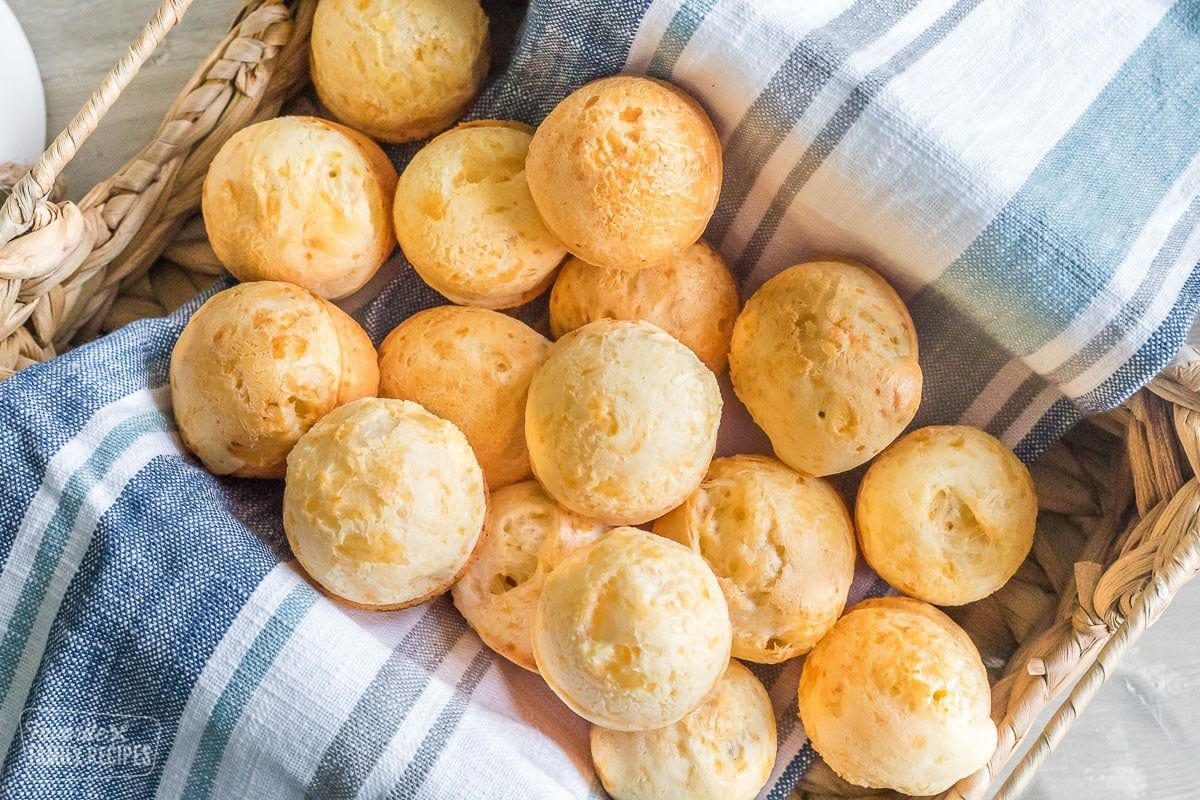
(1117, 536)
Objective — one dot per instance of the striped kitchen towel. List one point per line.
(1025, 171)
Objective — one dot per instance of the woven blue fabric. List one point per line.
(1025, 175)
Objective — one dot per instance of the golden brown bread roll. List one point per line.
(466, 221)
(824, 356)
(398, 69)
(626, 171)
(947, 514)
(691, 296)
(302, 200)
(631, 631)
(723, 750)
(525, 536)
(256, 366)
(781, 545)
(472, 367)
(896, 697)
(384, 503)
(621, 421)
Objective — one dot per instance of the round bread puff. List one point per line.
(691, 296)
(631, 631)
(781, 545)
(470, 366)
(946, 514)
(824, 356)
(466, 221)
(302, 200)
(723, 750)
(398, 70)
(525, 536)
(384, 503)
(256, 366)
(895, 696)
(626, 170)
(621, 421)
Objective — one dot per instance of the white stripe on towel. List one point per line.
(745, 54)
(308, 692)
(805, 129)
(220, 667)
(421, 717)
(989, 68)
(650, 32)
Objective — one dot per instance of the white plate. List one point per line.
(23, 128)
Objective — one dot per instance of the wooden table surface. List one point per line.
(1139, 739)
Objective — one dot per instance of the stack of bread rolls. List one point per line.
(473, 454)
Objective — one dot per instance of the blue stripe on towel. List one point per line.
(241, 687)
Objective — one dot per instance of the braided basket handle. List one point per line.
(20, 211)
(1175, 524)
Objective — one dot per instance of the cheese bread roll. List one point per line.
(256, 366)
(626, 171)
(472, 367)
(724, 750)
(895, 697)
(384, 503)
(631, 632)
(781, 545)
(621, 421)
(398, 70)
(824, 356)
(302, 200)
(947, 514)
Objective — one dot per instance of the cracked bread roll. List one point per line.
(473, 367)
(895, 696)
(384, 503)
(691, 296)
(256, 366)
(525, 536)
(631, 632)
(824, 356)
(621, 421)
(467, 223)
(302, 200)
(626, 171)
(946, 514)
(723, 750)
(398, 70)
(782, 548)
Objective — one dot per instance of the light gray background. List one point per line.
(1139, 739)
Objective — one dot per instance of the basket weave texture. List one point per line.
(1119, 529)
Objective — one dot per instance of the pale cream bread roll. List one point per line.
(621, 421)
(626, 171)
(302, 200)
(723, 750)
(525, 536)
(398, 70)
(256, 366)
(824, 355)
(384, 503)
(631, 632)
(947, 514)
(691, 296)
(473, 367)
(781, 545)
(467, 223)
(895, 696)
